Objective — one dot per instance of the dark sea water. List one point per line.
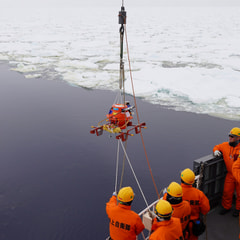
(55, 177)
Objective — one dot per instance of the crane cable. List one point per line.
(122, 21)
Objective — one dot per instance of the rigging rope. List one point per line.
(133, 173)
(122, 21)
(123, 167)
(135, 102)
(117, 168)
(118, 96)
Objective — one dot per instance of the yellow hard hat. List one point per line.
(188, 176)
(163, 209)
(235, 131)
(175, 190)
(125, 195)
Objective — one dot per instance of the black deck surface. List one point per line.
(221, 227)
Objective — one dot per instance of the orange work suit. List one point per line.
(123, 222)
(236, 169)
(167, 230)
(230, 155)
(198, 201)
(182, 211)
(236, 175)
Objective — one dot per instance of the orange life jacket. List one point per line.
(123, 222)
(198, 201)
(182, 211)
(167, 230)
(230, 154)
(236, 170)
(118, 116)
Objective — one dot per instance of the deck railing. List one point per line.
(147, 219)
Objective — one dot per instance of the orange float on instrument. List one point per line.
(120, 115)
(119, 118)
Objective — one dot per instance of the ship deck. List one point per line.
(221, 227)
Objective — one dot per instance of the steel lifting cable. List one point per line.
(118, 96)
(122, 21)
(135, 102)
(117, 168)
(123, 167)
(133, 173)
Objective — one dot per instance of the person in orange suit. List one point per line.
(123, 222)
(165, 227)
(181, 209)
(230, 152)
(236, 169)
(198, 201)
(236, 175)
